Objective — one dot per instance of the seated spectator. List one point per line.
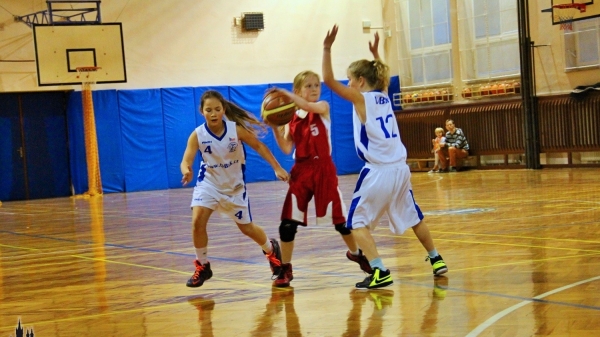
(437, 142)
(456, 147)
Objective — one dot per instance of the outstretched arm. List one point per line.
(347, 93)
(260, 147)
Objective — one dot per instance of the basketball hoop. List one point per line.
(565, 14)
(85, 74)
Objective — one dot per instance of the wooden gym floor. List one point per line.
(522, 247)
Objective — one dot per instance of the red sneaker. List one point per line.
(285, 276)
(362, 261)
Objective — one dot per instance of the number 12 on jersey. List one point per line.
(385, 126)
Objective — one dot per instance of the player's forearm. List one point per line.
(327, 69)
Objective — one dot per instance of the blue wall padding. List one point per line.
(249, 98)
(179, 113)
(108, 132)
(110, 146)
(144, 148)
(142, 135)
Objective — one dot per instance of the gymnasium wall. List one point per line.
(195, 43)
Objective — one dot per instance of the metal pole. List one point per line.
(529, 99)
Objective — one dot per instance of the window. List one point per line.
(582, 44)
(494, 52)
(488, 41)
(428, 59)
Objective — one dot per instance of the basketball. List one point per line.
(277, 108)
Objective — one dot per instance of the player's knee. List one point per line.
(341, 227)
(287, 230)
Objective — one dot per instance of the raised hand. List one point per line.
(374, 47)
(330, 38)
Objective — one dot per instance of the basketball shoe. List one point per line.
(378, 279)
(274, 258)
(201, 274)
(285, 276)
(438, 265)
(362, 261)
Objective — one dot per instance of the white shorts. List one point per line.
(384, 189)
(236, 207)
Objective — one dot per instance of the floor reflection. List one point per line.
(381, 300)
(97, 230)
(205, 308)
(282, 299)
(429, 324)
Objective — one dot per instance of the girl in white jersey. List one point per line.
(383, 185)
(220, 184)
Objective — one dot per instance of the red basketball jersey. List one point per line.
(311, 136)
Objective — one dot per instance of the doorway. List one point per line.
(34, 156)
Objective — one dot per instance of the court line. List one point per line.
(490, 321)
(518, 237)
(525, 300)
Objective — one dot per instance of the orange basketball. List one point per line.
(277, 108)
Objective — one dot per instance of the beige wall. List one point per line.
(174, 43)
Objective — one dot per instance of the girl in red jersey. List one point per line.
(313, 173)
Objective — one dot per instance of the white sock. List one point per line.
(267, 247)
(201, 255)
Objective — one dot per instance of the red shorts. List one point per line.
(318, 178)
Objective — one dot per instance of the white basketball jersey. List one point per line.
(223, 159)
(378, 140)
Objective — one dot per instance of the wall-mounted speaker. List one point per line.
(253, 21)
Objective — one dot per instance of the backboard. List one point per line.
(61, 49)
(591, 10)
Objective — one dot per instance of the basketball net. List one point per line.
(565, 14)
(86, 76)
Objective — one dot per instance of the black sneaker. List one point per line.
(201, 274)
(378, 279)
(438, 265)
(274, 258)
(362, 261)
(452, 169)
